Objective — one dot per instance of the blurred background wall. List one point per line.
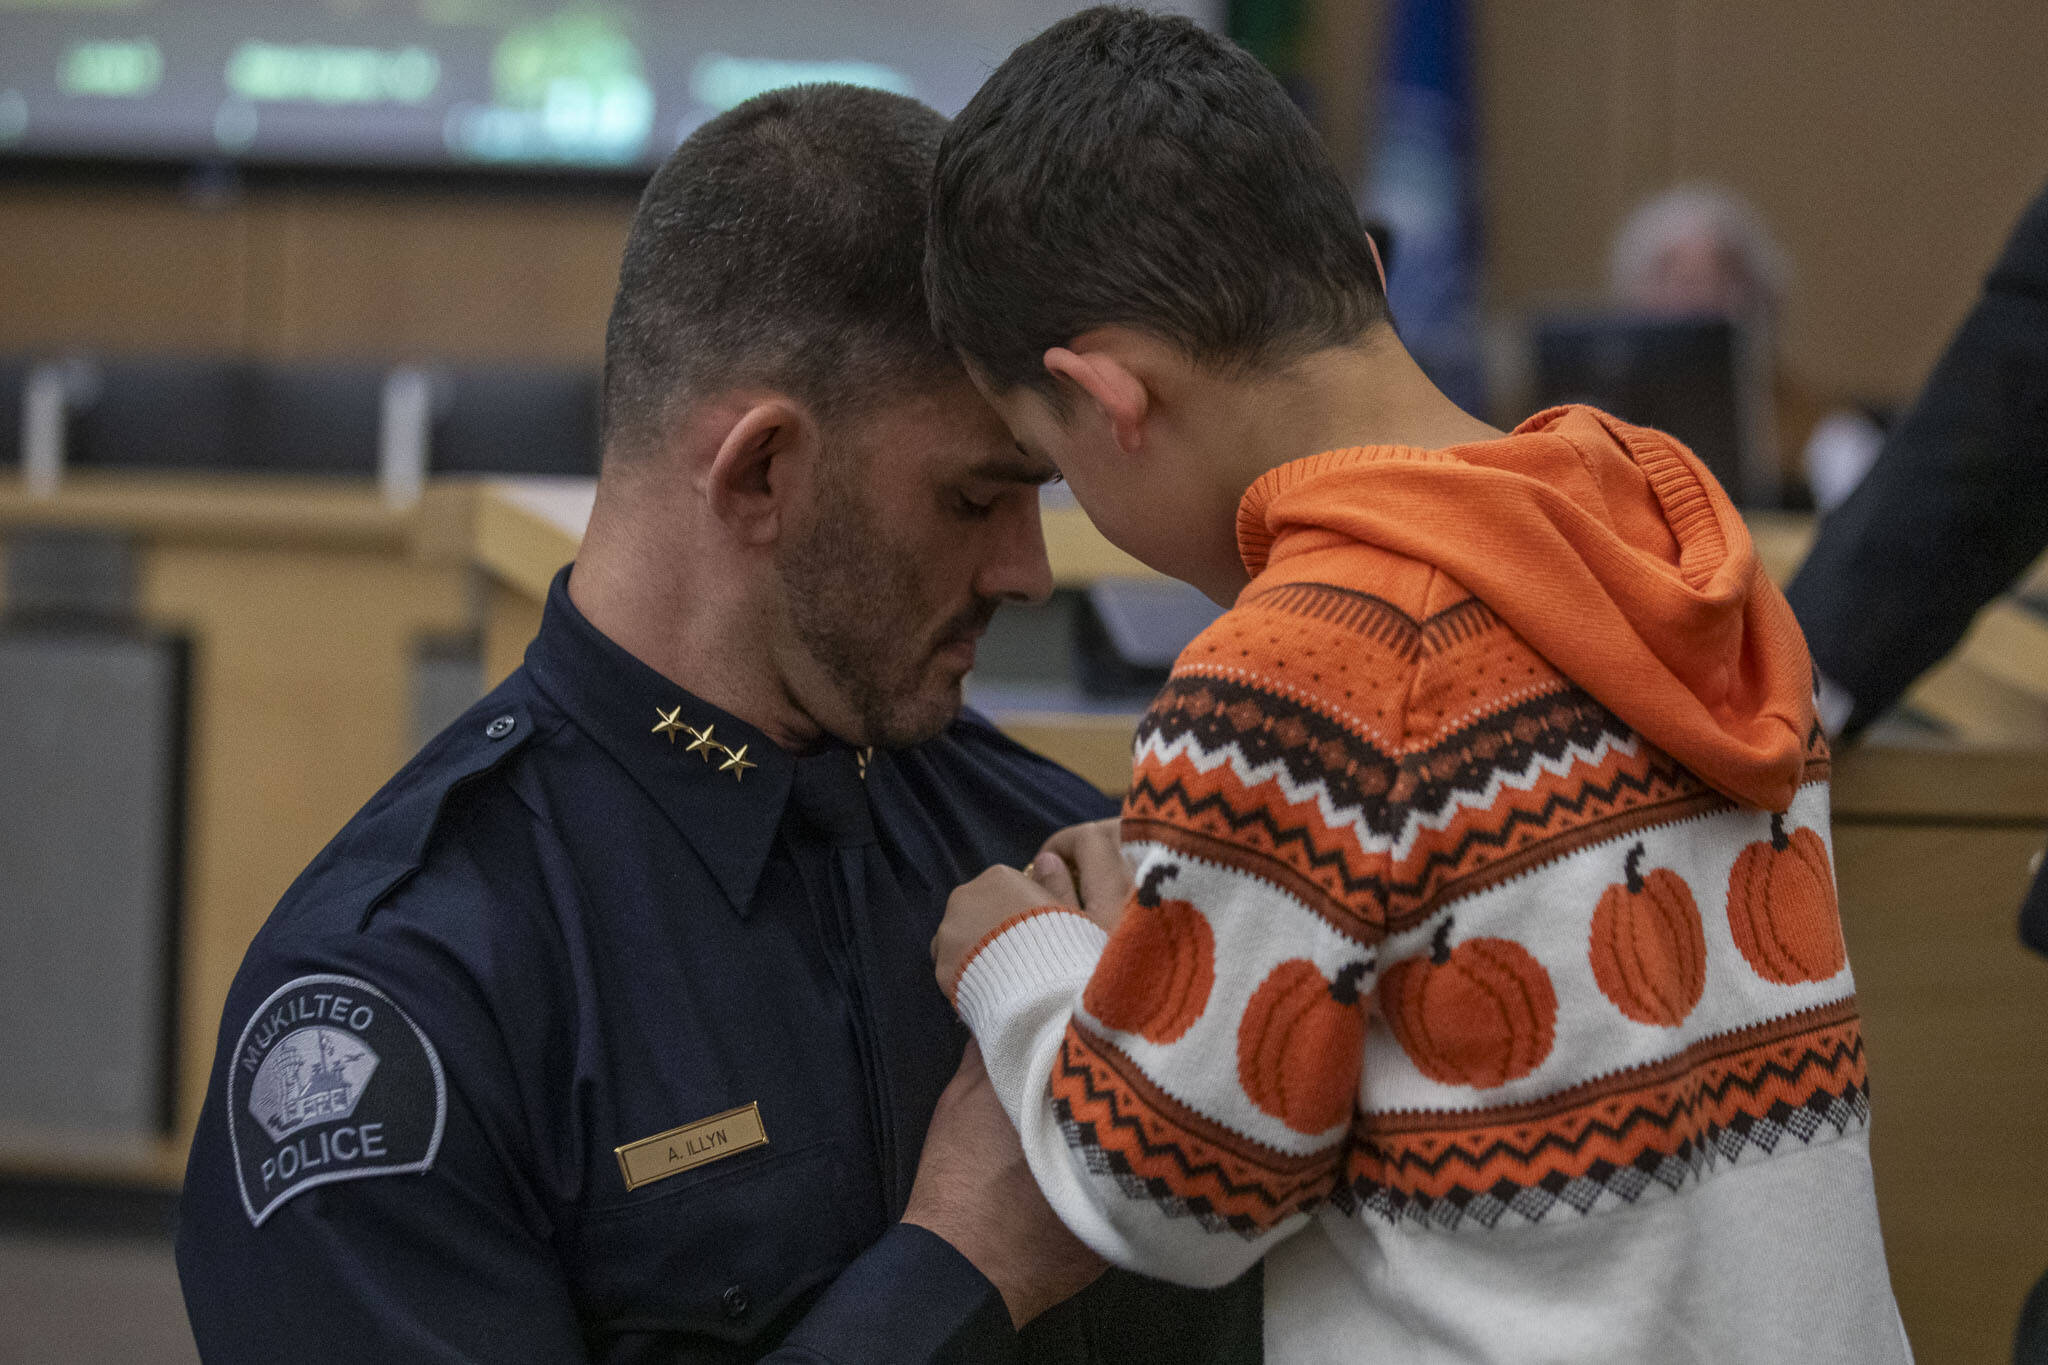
(1889, 144)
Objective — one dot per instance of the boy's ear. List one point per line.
(1372, 245)
(1122, 396)
(753, 475)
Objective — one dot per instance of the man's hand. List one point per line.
(1091, 871)
(975, 1190)
(976, 910)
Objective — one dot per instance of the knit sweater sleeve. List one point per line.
(1186, 1086)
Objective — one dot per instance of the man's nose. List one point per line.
(1016, 569)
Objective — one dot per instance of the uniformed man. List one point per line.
(607, 1029)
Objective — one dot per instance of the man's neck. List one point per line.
(693, 629)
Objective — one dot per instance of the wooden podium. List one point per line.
(303, 603)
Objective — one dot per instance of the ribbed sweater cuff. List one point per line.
(1043, 951)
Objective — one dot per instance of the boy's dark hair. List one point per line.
(1130, 168)
(781, 244)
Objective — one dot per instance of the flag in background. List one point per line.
(1424, 186)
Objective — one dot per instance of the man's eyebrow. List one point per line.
(1023, 468)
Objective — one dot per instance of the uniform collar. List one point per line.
(727, 813)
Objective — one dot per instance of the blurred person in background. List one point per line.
(1701, 250)
(607, 1030)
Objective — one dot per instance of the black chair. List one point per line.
(1695, 377)
(313, 419)
(13, 377)
(155, 413)
(515, 419)
(227, 416)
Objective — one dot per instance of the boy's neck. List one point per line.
(1368, 394)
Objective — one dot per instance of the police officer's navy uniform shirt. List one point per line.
(557, 932)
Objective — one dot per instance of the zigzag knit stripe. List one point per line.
(1387, 789)
(1800, 1080)
(1397, 836)
(1740, 1083)
(1124, 1131)
(1361, 892)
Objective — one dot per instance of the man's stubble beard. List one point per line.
(858, 606)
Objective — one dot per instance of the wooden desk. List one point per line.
(1933, 850)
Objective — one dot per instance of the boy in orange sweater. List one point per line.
(1473, 954)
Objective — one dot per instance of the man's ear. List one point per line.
(1119, 393)
(749, 480)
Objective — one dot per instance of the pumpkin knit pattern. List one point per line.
(1484, 970)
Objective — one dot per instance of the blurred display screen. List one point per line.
(512, 83)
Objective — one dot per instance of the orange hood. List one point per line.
(1611, 550)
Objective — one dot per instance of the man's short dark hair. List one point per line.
(781, 244)
(1130, 168)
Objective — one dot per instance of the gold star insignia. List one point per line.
(701, 741)
(671, 721)
(736, 763)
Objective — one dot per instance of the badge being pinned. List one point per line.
(330, 1081)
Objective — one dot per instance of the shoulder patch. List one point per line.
(330, 1081)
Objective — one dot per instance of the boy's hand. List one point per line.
(975, 910)
(1091, 858)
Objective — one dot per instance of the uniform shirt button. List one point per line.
(500, 727)
(735, 1301)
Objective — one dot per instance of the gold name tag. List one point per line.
(693, 1144)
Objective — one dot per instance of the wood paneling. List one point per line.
(1550, 120)
(1953, 1007)
(295, 274)
(1343, 77)
(121, 269)
(410, 276)
(1891, 144)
